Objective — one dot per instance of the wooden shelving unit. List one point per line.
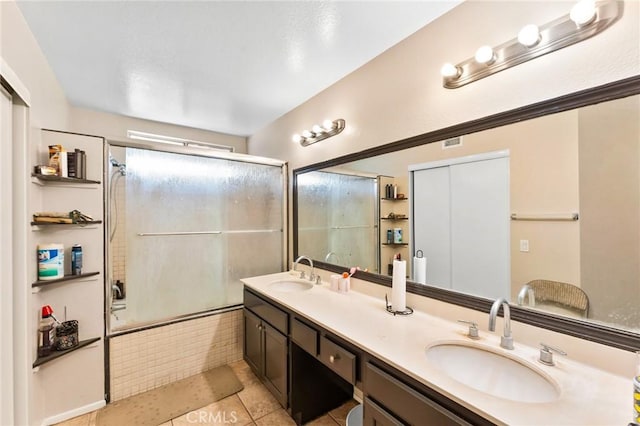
(389, 207)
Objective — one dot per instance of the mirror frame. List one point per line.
(593, 331)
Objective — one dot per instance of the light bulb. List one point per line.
(328, 125)
(317, 129)
(296, 138)
(485, 55)
(450, 71)
(529, 35)
(583, 12)
(307, 134)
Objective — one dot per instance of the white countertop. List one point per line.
(588, 396)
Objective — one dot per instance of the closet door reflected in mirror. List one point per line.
(573, 176)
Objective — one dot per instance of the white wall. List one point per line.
(50, 109)
(399, 94)
(18, 47)
(114, 127)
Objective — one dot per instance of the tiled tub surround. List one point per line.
(588, 395)
(144, 360)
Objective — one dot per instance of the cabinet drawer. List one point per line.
(274, 316)
(404, 402)
(338, 359)
(374, 415)
(304, 336)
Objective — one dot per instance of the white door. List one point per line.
(6, 261)
(431, 217)
(461, 223)
(480, 228)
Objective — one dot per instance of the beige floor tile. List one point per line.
(244, 373)
(340, 414)
(93, 416)
(166, 423)
(276, 418)
(325, 420)
(258, 400)
(229, 410)
(82, 420)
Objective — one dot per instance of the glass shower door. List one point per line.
(194, 226)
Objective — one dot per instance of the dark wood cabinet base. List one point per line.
(315, 389)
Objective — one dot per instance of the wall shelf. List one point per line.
(57, 354)
(49, 178)
(43, 283)
(89, 222)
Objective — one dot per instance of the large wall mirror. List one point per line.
(553, 189)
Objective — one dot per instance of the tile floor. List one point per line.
(254, 405)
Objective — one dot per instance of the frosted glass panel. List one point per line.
(337, 217)
(194, 227)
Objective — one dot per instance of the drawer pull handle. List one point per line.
(258, 326)
(333, 358)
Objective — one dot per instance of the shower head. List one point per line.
(122, 167)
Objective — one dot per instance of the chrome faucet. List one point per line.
(328, 256)
(116, 289)
(526, 292)
(118, 307)
(312, 276)
(506, 341)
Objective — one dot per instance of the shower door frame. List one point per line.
(193, 151)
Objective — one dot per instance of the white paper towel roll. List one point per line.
(420, 269)
(399, 286)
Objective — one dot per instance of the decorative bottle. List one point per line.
(47, 331)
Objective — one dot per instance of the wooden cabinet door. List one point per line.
(275, 362)
(253, 342)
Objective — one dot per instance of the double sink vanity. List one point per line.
(311, 346)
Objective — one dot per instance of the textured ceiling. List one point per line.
(226, 66)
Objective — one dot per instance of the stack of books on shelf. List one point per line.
(72, 164)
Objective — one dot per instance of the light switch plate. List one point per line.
(524, 246)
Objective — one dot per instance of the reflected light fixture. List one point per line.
(317, 133)
(586, 19)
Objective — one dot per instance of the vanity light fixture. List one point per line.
(317, 133)
(485, 55)
(586, 19)
(529, 35)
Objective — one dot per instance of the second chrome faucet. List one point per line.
(506, 341)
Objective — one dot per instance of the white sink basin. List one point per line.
(290, 285)
(493, 373)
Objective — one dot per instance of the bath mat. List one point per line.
(160, 405)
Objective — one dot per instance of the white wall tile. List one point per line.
(151, 358)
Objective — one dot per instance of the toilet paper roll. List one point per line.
(50, 261)
(399, 286)
(420, 270)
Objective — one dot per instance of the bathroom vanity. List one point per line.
(328, 342)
